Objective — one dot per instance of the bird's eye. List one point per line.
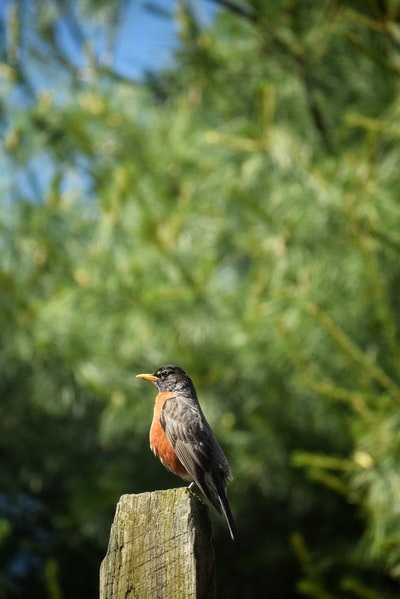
(163, 374)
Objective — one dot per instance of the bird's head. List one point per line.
(168, 378)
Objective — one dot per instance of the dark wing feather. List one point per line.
(199, 451)
(189, 435)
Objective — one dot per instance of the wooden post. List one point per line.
(160, 548)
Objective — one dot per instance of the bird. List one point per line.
(182, 439)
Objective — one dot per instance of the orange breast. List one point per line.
(159, 443)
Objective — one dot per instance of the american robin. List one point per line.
(183, 440)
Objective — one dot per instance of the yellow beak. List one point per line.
(147, 377)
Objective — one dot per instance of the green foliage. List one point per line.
(238, 216)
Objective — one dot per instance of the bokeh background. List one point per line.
(213, 184)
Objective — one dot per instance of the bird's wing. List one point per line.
(189, 435)
(198, 450)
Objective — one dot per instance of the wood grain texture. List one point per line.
(160, 548)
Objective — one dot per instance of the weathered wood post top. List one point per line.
(160, 547)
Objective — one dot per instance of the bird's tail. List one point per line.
(226, 511)
(216, 493)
